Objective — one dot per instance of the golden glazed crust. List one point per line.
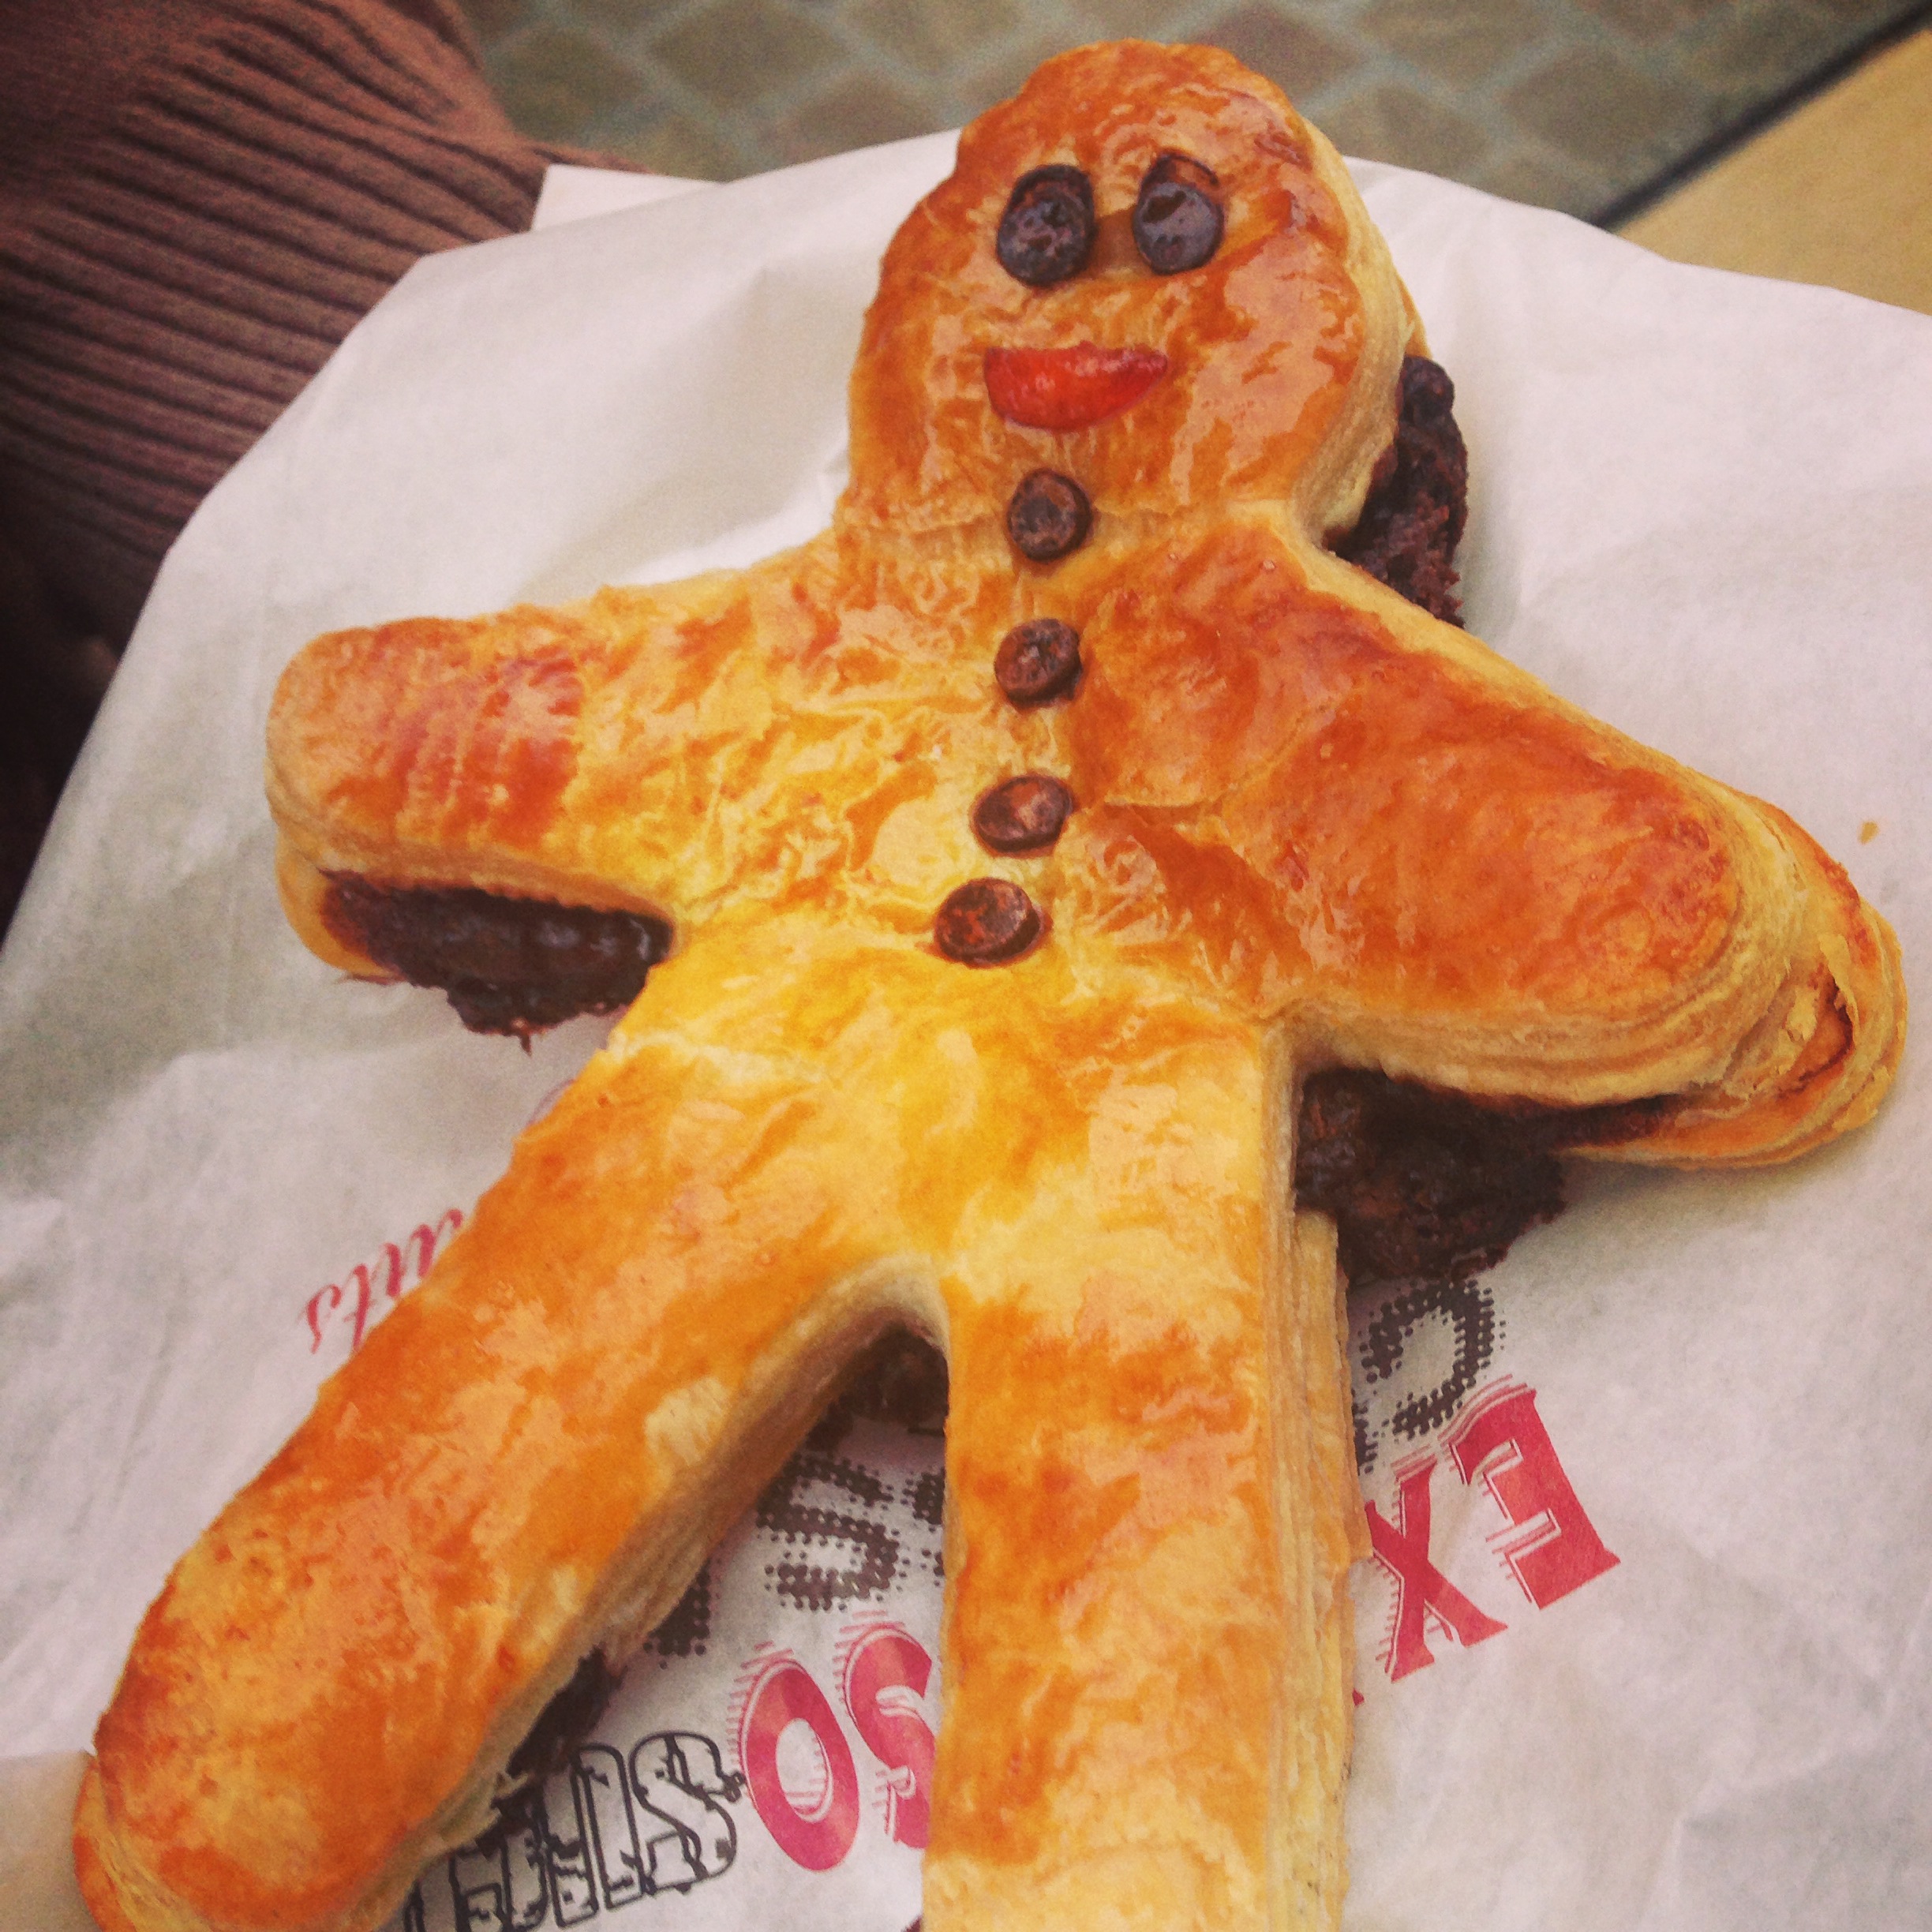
(1312, 825)
(1350, 819)
(1076, 1191)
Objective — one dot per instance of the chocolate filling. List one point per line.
(566, 1720)
(508, 965)
(1418, 504)
(1425, 1185)
(900, 1380)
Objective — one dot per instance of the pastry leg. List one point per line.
(533, 1452)
(1146, 1655)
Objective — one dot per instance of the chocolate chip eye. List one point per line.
(1177, 219)
(1047, 231)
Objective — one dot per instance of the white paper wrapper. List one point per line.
(1649, 1642)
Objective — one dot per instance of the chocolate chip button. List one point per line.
(1022, 814)
(1037, 661)
(1049, 515)
(985, 922)
(1178, 220)
(1047, 231)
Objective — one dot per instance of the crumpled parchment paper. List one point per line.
(1647, 1641)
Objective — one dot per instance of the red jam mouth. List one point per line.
(1069, 388)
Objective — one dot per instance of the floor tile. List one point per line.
(937, 40)
(1460, 46)
(1296, 55)
(857, 113)
(1393, 122)
(559, 82)
(739, 53)
(1594, 107)
(1589, 105)
(1651, 20)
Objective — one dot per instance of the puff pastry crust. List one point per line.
(1313, 826)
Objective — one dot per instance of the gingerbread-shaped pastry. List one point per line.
(1005, 861)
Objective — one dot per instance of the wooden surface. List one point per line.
(1838, 192)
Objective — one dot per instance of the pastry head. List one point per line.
(1147, 272)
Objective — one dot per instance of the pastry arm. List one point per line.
(575, 755)
(528, 1459)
